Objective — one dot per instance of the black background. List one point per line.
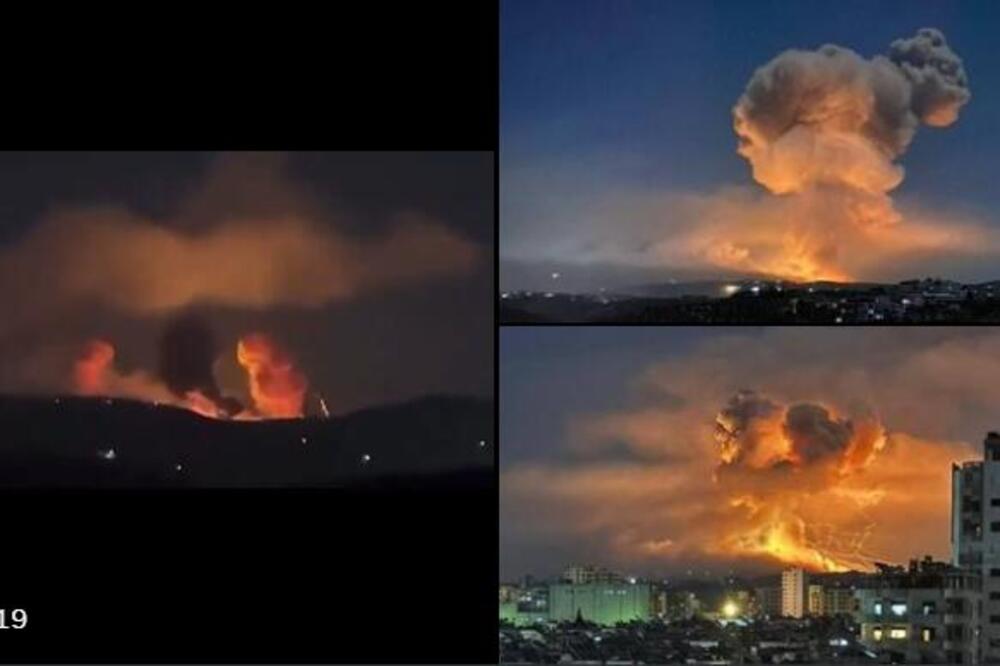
(254, 576)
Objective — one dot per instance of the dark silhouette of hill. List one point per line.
(94, 442)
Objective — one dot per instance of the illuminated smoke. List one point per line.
(844, 439)
(249, 236)
(824, 133)
(139, 267)
(91, 368)
(278, 389)
(826, 126)
(773, 459)
(831, 117)
(94, 373)
(199, 403)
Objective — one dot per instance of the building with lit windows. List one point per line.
(602, 603)
(975, 534)
(927, 613)
(829, 601)
(526, 605)
(583, 575)
(793, 593)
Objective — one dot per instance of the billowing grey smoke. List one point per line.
(735, 423)
(940, 86)
(814, 435)
(759, 437)
(187, 353)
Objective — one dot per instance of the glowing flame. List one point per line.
(776, 461)
(278, 389)
(91, 367)
(199, 403)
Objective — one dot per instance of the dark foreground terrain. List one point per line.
(260, 548)
(89, 442)
(762, 302)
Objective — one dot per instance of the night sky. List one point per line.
(387, 340)
(608, 454)
(607, 103)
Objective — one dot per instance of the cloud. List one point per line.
(804, 446)
(823, 132)
(275, 247)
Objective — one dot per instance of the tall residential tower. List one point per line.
(975, 535)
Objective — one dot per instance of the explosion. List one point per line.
(824, 128)
(775, 461)
(90, 370)
(843, 441)
(276, 387)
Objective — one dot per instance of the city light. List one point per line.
(730, 609)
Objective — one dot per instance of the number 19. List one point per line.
(18, 619)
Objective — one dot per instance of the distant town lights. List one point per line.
(730, 609)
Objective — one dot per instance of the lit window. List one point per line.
(877, 633)
(897, 633)
(878, 608)
(899, 609)
(927, 634)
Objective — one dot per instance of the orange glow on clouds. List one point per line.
(825, 470)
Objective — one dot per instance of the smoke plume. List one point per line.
(187, 355)
(830, 117)
(773, 459)
(278, 389)
(187, 380)
(248, 237)
(827, 126)
(824, 132)
(136, 266)
(91, 368)
(95, 374)
(822, 462)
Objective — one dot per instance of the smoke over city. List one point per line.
(825, 133)
(807, 447)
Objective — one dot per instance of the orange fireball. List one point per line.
(89, 371)
(278, 389)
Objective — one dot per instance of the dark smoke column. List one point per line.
(187, 353)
